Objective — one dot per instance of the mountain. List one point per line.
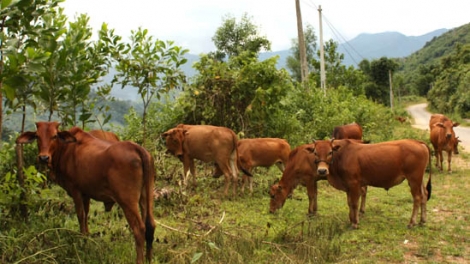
(386, 44)
(364, 46)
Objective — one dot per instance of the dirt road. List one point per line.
(421, 120)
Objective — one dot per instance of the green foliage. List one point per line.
(232, 38)
(417, 80)
(243, 94)
(378, 72)
(151, 66)
(449, 93)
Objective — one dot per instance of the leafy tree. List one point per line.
(151, 66)
(377, 72)
(232, 38)
(22, 28)
(243, 94)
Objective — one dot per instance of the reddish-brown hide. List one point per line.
(90, 168)
(104, 135)
(300, 169)
(262, 152)
(349, 166)
(351, 131)
(443, 138)
(208, 144)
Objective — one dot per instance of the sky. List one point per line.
(192, 23)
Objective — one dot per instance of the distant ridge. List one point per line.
(364, 46)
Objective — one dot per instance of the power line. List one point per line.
(337, 34)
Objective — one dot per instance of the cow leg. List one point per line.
(138, 228)
(440, 160)
(82, 206)
(449, 159)
(312, 197)
(419, 199)
(353, 201)
(363, 199)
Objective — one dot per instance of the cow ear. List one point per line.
(26, 137)
(310, 149)
(164, 135)
(66, 137)
(456, 124)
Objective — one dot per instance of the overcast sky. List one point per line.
(192, 23)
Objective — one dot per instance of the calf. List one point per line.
(349, 165)
(208, 144)
(301, 169)
(90, 168)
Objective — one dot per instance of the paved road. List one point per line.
(421, 120)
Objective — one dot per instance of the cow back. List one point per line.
(382, 164)
(349, 131)
(264, 151)
(104, 135)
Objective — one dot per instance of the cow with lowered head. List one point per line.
(111, 172)
(349, 131)
(208, 144)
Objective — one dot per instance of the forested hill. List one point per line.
(437, 48)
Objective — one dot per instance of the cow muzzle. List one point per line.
(323, 171)
(43, 158)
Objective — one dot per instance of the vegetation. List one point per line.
(59, 64)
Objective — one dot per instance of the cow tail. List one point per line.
(239, 165)
(149, 177)
(429, 185)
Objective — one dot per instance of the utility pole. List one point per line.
(391, 89)
(302, 49)
(322, 56)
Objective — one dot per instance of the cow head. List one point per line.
(174, 139)
(448, 126)
(47, 134)
(323, 151)
(278, 197)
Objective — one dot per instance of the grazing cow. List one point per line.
(301, 169)
(262, 152)
(349, 165)
(351, 131)
(443, 138)
(104, 135)
(90, 168)
(208, 144)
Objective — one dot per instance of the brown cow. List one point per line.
(208, 144)
(349, 165)
(301, 169)
(90, 168)
(351, 131)
(443, 138)
(104, 135)
(262, 152)
(111, 137)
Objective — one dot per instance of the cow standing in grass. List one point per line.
(91, 168)
(208, 144)
(349, 165)
(443, 138)
(262, 152)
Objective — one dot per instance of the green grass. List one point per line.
(199, 225)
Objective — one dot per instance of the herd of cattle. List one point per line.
(97, 165)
